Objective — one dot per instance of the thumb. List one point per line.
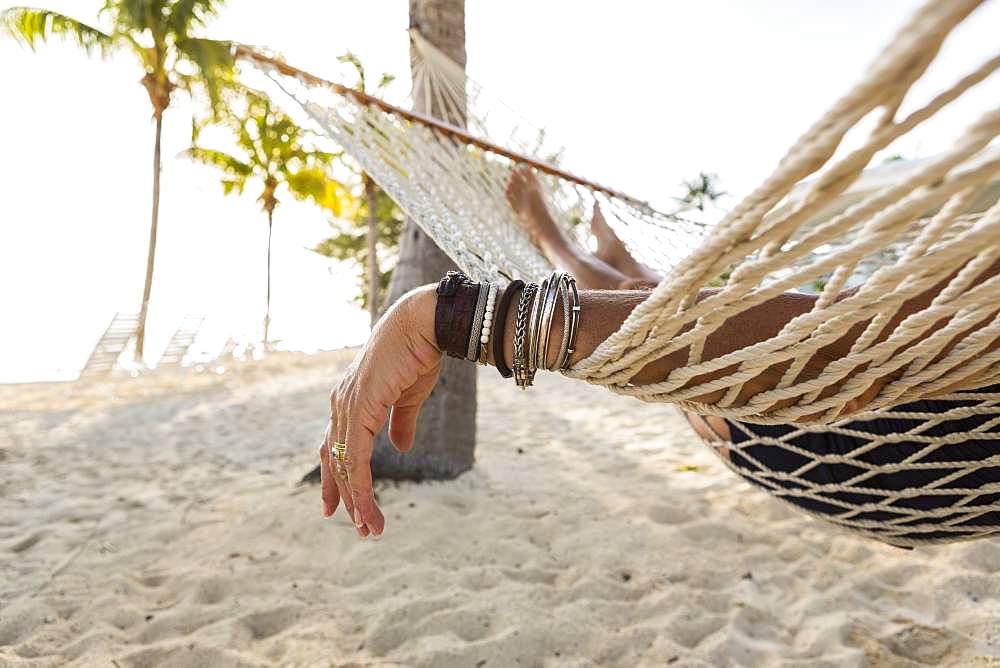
(403, 426)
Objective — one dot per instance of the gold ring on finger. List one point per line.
(339, 451)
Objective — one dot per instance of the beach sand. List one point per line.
(158, 521)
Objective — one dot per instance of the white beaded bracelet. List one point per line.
(487, 329)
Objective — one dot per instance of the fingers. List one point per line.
(330, 493)
(344, 491)
(398, 366)
(333, 475)
(341, 474)
(328, 486)
(336, 475)
(366, 513)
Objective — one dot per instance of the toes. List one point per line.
(598, 225)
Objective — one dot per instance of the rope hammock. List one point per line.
(817, 218)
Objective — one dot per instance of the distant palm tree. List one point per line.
(701, 191)
(372, 195)
(274, 152)
(158, 33)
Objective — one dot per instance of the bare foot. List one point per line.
(609, 247)
(611, 250)
(524, 193)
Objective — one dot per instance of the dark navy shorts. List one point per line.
(979, 447)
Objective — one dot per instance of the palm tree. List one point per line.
(159, 34)
(273, 152)
(701, 191)
(371, 195)
(352, 241)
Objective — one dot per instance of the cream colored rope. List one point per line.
(764, 244)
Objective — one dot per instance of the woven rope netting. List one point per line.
(451, 180)
(810, 221)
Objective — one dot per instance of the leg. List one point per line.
(611, 249)
(712, 430)
(526, 198)
(613, 267)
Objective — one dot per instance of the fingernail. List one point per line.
(326, 510)
(357, 518)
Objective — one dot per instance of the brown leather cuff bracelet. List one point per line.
(454, 313)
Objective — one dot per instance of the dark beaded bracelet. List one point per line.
(499, 326)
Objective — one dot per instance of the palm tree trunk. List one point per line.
(446, 431)
(267, 311)
(140, 334)
(374, 275)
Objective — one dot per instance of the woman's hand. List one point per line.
(390, 378)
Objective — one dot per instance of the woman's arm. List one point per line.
(605, 311)
(398, 367)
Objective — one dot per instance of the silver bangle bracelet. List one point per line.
(472, 348)
(547, 311)
(574, 321)
(564, 342)
(533, 325)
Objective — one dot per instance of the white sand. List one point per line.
(157, 522)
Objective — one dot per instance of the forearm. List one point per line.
(604, 311)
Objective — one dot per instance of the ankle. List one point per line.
(561, 251)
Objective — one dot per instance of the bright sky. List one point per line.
(643, 94)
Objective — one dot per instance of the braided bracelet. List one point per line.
(523, 376)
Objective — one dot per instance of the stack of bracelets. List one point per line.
(469, 322)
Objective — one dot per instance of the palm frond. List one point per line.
(229, 164)
(135, 15)
(215, 62)
(315, 185)
(321, 157)
(33, 26)
(233, 185)
(187, 14)
(351, 58)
